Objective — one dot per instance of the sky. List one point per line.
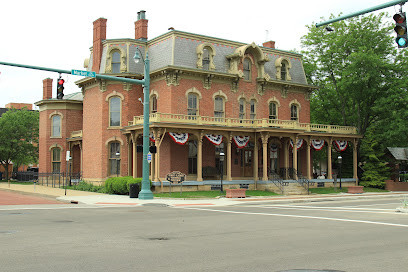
(59, 34)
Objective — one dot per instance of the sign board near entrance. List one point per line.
(176, 177)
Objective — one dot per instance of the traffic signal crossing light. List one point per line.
(60, 88)
(401, 29)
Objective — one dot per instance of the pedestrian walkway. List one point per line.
(89, 198)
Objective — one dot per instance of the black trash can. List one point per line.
(1, 175)
(134, 189)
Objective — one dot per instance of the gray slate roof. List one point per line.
(399, 153)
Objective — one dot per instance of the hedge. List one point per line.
(120, 185)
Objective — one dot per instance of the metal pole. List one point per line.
(98, 76)
(146, 193)
(386, 5)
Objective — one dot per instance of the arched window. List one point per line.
(273, 110)
(253, 109)
(192, 104)
(247, 69)
(114, 111)
(56, 126)
(116, 62)
(241, 108)
(219, 107)
(153, 104)
(206, 59)
(283, 71)
(56, 160)
(114, 158)
(294, 114)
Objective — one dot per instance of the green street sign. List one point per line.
(83, 73)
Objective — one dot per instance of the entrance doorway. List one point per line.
(274, 167)
(246, 162)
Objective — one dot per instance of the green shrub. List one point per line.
(120, 185)
(404, 177)
(89, 187)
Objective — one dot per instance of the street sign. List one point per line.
(83, 73)
(149, 157)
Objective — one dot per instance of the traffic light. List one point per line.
(401, 29)
(60, 88)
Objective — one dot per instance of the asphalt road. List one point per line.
(364, 235)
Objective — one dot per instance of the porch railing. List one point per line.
(246, 123)
(278, 181)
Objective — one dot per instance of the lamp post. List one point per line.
(117, 163)
(339, 160)
(145, 192)
(222, 155)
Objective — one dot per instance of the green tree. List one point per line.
(18, 137)
(375, 167)
(358, 69)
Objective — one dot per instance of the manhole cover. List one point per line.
(63, 221)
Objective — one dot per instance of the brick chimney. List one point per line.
(47, 88)
(270, 44)
(99, 34)
(141, 26)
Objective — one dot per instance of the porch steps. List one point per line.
(293, 188)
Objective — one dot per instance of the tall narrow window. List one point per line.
(56, 160)
(114, 111)
(206, 59)
(247, 69)
(273, 113)
(153, 103)
(192, 107)
(219, 107)
(294, 112)
(116, 62)
(192, 157)
(241, 108)
(283, 71)
(114, 158)
(56, 126)
(253, 109)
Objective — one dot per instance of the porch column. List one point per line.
(134, 154)
(200, 157)
(294, 161)
(329, 159)
(308, 172)
(130, 145)
(157, 155)
(355, 162)
(264, 157)
(286, 158)
(256, 163)
(229, 176)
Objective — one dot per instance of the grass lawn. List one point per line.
(17, 182)
(209, 194)
(343, 190)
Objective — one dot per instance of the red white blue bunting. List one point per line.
(340, 145)
(241, 141)
(215, 139)
(298, 144)
(318, 144)
(179, 138)
(151, 137)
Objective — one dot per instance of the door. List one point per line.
(246, 162)
(274, 158)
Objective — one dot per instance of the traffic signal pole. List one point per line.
(98, 76)
(385, 5)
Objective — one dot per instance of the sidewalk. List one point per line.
(89, 198)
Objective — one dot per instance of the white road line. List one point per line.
(302, 208)
(302, 216)
(322, 207)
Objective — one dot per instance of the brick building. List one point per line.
(207, 96)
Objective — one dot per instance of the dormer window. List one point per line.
(116, 62)
(283, 67)
(247, 69)
(205, 56)
(283, 71)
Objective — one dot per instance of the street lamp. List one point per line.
(222, 155)
(339, 160)
(145, 192)
(117, 163)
